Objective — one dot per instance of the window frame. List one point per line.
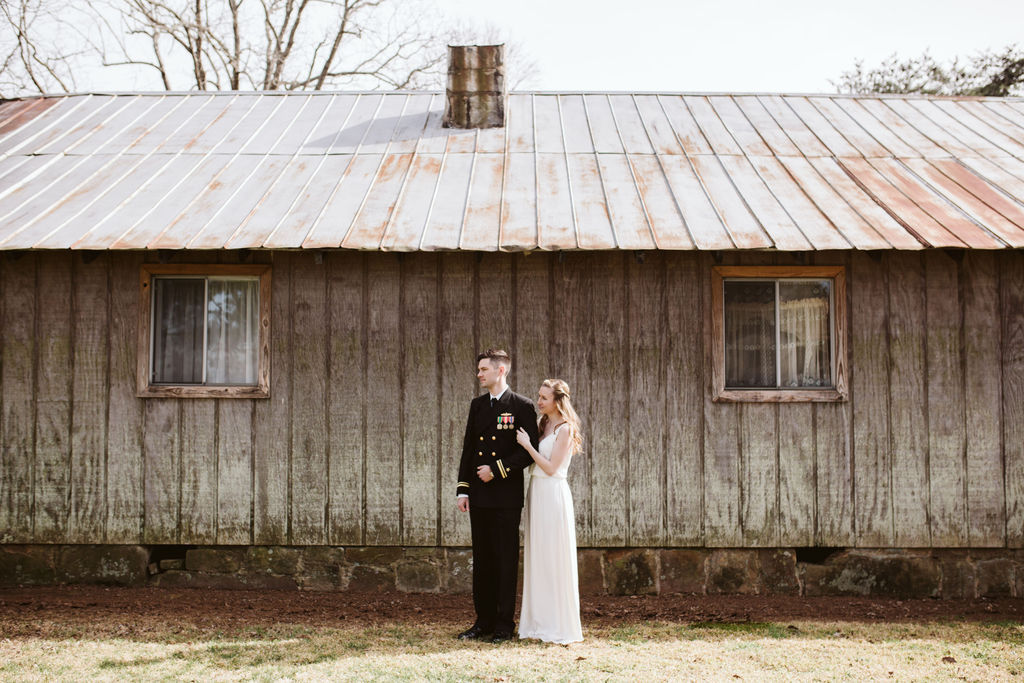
(145, 389)
(837, 392)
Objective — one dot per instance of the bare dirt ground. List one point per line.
(21, 608)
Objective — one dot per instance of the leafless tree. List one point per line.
(228, 44)
(35, 50)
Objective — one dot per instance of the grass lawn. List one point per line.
(48, 649)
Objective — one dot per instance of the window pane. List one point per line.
(232, 330)
(805, 339)
(178, 330)
(749, 334)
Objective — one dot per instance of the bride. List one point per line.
(551, 596)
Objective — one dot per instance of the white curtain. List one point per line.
(804, 344)
(232, 331)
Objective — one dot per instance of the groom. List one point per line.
(491, 490)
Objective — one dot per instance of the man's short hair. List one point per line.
(498, 356)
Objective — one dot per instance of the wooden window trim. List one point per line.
(838, 392)
(262, 387)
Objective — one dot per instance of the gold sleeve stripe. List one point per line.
(463, 483)
(501, 468)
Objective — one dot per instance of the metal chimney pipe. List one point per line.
(476, 87)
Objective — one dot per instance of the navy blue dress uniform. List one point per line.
(495, 506)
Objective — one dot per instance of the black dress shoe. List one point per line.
(474, 632)
(501, 636)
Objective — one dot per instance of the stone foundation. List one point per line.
(990, 573)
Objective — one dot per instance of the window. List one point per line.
(779, 333)
(204, 331)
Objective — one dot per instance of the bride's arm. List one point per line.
(558, 453)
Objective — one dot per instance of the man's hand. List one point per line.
(484, 472)
(462, 502)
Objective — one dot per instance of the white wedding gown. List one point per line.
(551, 594)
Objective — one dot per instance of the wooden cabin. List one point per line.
(791, 324)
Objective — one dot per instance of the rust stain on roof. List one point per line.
(569, 171)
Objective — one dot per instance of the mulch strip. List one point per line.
(224, 609)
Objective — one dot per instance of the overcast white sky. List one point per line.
(736, 45)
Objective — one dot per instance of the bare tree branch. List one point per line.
(260, 44)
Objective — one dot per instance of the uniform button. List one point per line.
(480, 452)
(482, 438)
(493, 438)
(493, 454)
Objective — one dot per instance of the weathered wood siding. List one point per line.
(372, 372)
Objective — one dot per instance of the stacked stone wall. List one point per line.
(952, 574)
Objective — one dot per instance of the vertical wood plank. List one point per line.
(907, 403)
(234, 471)
(273, 418)
(796, 460)
(161, 469)
(17, 394)
(198, 518)
(496, 311)
(198, 450)
(1011, 283)
(869, 352)
(758, 456)
(986, 504)
(458, 385)
(346, 396)
(721, 449)
(125, 494)
(420, 410)
(834, 468)
(572, 326)
(89, 409)
(383, 395)
(611, 402)
(532, 324)
(683, 416)
(796, 475)
(647, 394)
(309, 399)
(759, 483)
(53, 398)
(946, 437)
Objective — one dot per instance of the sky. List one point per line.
(793, 46)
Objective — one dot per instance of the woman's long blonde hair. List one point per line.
(560, 391)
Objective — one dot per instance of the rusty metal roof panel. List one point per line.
(813, 225)
(246, 199)
(739, 126)
(594, 228)
(20, 114)
(355, 176)
(941, 177)
(684, 126)
(554, 203)
(377, 171)
(767, 127)
(765, 205)
(448, 206)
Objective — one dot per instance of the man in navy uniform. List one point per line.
(491, 489)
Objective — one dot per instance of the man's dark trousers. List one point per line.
(495, 566)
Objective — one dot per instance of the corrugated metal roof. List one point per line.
(569, 171)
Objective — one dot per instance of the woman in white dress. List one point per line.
(551, 594)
